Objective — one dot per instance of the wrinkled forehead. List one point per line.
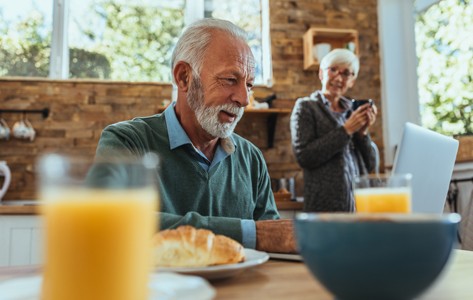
(246, 63)
(226, 49)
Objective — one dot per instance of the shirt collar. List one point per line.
(345, 103)
(178, 136)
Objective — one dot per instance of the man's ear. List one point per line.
(182, 75)
(321, 74)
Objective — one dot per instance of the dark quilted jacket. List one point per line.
(318, 141)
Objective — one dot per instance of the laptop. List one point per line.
(430, 158)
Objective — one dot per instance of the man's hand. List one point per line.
(275, 236)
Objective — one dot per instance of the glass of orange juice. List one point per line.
(383, 193)
(99, 219)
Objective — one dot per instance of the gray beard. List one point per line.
(207, 116)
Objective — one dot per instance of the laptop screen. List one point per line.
(430, 158)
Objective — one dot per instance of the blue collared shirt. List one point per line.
(178, 137)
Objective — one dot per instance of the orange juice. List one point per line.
(384, 199)
(98, 243)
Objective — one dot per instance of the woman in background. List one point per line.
(330, 140)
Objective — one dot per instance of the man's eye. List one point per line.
(249, 86)
(346, 73)
(231, 80)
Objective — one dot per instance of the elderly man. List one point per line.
(209, 177)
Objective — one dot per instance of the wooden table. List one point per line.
(292, 280)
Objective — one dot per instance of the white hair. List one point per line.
(341, 57)
(195, 39)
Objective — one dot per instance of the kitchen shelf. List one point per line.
(268, 111)
(253, 111)
(337, 38)
(272, 117)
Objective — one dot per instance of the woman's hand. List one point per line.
(371, 118)
(361, 119)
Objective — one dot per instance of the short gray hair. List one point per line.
(195, 39)
(341, 57)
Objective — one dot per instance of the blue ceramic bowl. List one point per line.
(375, 256)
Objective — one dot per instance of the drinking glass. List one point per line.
(99, 220)
(387, 193)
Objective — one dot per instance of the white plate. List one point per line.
(252, 258)
(162, 286)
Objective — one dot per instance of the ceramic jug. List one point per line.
(4, 171)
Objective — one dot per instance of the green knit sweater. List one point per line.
(236, 188)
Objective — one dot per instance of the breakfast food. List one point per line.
(187, 246)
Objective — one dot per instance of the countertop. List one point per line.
(19, 209)
(29, 208)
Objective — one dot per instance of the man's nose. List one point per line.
(241, 95)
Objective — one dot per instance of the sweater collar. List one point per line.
(178, 136)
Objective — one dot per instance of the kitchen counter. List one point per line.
(30, 208)
(19, 209)
(289, 205)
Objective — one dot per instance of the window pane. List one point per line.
(247, 15)
(445, 51)
(128, 40)
(25, 37)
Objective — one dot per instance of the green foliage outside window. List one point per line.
(445, 52)
(134, 45)
(28, 54)
(137, 40)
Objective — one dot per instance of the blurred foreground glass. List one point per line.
(383, 193)
(99, 221)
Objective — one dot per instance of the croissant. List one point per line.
(187, 246)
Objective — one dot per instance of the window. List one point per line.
(25, 37)
(123, 40)
(444, 43)
(129, 40)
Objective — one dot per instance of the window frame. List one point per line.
(59, 62)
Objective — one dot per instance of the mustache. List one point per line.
(231, 108)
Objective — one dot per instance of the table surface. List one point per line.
(292, 280)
